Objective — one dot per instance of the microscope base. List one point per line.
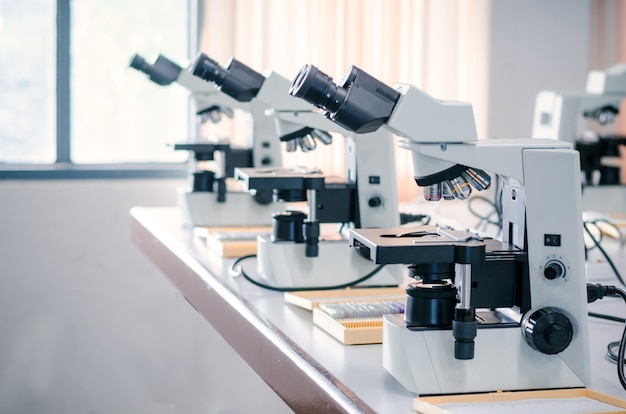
(283, 264)
(202, 209)
(423, 361)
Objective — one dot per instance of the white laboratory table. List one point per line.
(307, 368)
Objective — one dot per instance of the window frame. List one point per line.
(63, 167)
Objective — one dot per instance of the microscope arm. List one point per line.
(541, 205)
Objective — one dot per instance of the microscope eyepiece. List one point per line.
(162, 72)
(361, 103)
(236, 80)
(139, 63)
(209, 70)
(317, 88)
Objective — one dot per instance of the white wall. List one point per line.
(89, 325)
(535, 45)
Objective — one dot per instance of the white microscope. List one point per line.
(569, 116)
(483, 314)
(208, 201)
(297, 254)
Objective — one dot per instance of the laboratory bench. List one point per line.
(307, 368)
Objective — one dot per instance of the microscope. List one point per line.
(213, 198)
(298, 254)
(482, 314)
(585, 119)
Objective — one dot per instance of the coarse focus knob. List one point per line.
(547, 330)
(553, 269)
(375, 201)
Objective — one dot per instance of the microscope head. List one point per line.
(361, 103)
(210, 103)
(364, 104)
(236, 80)
(244, 84)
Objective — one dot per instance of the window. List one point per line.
(68, 94)
(27, 81)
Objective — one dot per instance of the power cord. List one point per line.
(596, 244)
(598, 291)
(236, 270)
(485, 219)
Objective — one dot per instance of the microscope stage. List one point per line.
(281, 178)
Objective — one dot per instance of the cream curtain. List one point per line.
(441, 46)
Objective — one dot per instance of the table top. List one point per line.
(307, 367)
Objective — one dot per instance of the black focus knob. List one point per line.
(203, 181)
(265, 161)
(375, 201)
(553, 270)
(430, 304)
(288, 226)
(548, 330)
(263, 197)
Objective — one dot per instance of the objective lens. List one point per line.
(213, 115)
(307, 143)
(479, 179)
(432, 192)
(446, 192)
(291, 145)
(460, 188)
(323, 136)
(317, 88)
(606, 117)
(227, 111)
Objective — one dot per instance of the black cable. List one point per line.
(606, 256)
(609, 348)
(483, 217)
(598, 291)
(596, 242)
(611, 353)
(607, 317)
(236, 272)
(622, 349)
(496, 205)
(609, 223)
(486, 218)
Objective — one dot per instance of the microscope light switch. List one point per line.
(374, 179)
(551, 239)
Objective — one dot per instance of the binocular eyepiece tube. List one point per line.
(236, 80)
(361, 103)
